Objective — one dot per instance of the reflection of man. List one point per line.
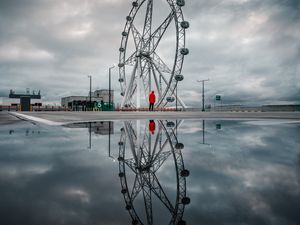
(151, 126)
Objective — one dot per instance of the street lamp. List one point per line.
(90, 105)
(202, 92)
(109, 86)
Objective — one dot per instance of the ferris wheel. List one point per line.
(145, 67)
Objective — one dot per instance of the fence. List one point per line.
(8, 108)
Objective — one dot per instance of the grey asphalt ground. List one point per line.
(70, 117)
(8, 119)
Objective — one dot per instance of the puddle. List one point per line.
(150, 172)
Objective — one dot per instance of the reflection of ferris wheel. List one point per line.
(146, 157)
(143, 69)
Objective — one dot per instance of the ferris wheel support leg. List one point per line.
(156, 82)
(138, 80)
(130, 85)
(138, 139)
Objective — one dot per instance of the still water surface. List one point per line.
(150, 172)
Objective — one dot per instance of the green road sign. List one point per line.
(218, 97)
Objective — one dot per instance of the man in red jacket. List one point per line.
(152, 100)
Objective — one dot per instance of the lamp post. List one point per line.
(90, 105)
(202, 92)
(109, 86)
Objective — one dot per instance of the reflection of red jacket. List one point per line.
(152, 97)
(152, 126)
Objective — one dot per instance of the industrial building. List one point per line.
(20, 101)
(99, 100)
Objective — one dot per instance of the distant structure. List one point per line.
(81, 103)
(100, 128)
(25, 99)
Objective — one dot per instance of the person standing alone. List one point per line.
(152, 100)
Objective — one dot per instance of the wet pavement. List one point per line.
(150, 172)
(69, 117)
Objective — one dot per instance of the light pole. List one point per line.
(90, 105)
(109, 86)
(202, 92)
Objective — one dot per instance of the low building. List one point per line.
(20, 101)
(82, 103)
(104, 95)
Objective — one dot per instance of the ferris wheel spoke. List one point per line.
(147, 26)
(158, 87)
(160, 193)
(132, 138)
(130, 85)
(161, 65)
(160, 73)
(167, 83)
(131, 164)
(132, 92)
(137, 187)
(131, 61)
(146, 78)
(136, 36)
(160, 31)
(159, 154)
(148, 202)
(157, 139)
(159, 161)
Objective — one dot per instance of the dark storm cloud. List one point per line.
(248, 48)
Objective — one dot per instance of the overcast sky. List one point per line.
(249, 49)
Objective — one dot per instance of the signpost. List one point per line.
(219, 98)
(203, 109)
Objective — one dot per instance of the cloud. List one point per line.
(249, 49)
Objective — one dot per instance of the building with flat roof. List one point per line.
(81, 103)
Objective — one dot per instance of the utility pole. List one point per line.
(202, 92)
(109, 86)
(89, 76)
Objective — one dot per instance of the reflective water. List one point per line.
(150, 172)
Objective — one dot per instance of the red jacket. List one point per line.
(152, 97)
